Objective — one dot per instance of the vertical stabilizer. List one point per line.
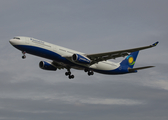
(130, 60)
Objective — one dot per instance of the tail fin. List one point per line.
(130, 59)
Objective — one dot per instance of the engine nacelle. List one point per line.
(47, 66)
(81, 59)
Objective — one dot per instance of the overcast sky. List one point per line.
(89, 26)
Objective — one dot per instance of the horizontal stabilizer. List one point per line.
(140, 68)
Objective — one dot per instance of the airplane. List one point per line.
(64, 58)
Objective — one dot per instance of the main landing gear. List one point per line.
(24, 56)
(68, 73)
(90, 72)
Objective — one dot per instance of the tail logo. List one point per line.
(131, 60)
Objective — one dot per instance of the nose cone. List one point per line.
(12, 41)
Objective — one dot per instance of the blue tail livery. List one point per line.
(130, 60)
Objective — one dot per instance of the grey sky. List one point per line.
(89, 26)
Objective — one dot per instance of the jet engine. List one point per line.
(47, 66)
(81, 59)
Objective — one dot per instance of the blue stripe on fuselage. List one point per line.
(41, 52)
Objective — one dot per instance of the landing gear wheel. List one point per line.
(71, 76)
(23, 57)
(86, 70)
(68, 73)
(91, 73)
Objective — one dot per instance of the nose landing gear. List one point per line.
(24, 56)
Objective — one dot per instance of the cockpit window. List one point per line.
(16, 38)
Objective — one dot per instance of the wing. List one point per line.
(95, 58)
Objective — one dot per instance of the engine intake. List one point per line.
(47, 66)
(81, 59)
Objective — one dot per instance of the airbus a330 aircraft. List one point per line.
(66, 58)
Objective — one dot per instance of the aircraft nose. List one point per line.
(11, 41)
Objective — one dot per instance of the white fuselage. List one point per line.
(66, 58)
(26, 41)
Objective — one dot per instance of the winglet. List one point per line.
(155, 43)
